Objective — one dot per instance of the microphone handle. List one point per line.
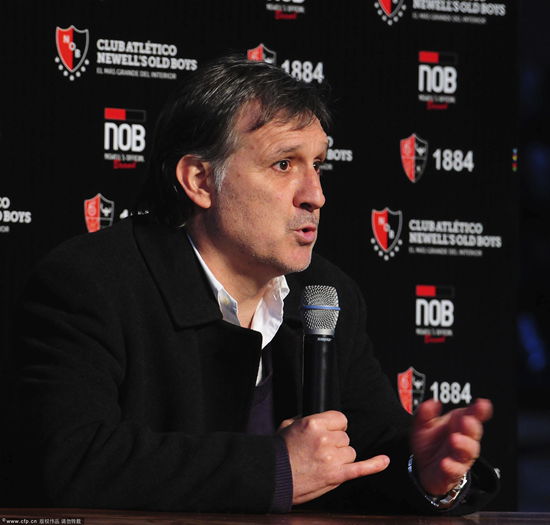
(317, 359)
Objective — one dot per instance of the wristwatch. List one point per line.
(440, 502)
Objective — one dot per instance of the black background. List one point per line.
(51, 145)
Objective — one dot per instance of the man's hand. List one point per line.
(320, 455)
(445, 447)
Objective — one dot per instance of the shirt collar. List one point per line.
(268, 316)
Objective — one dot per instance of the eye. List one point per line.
(318, 166)
(282, 165)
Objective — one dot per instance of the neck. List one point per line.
(245, 287)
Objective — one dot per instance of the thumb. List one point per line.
(366, 467)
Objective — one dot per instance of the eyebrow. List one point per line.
(292, 149)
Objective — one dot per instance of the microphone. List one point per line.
(319, 311)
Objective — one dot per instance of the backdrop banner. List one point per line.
(420, 178)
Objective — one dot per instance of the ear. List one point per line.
(193, 175)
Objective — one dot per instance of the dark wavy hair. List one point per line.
(199, 119)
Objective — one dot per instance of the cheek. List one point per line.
(255, 209)
(241, 211)
(271, 208)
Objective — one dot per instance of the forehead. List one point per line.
(278, 133)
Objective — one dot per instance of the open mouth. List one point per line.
(307, 234)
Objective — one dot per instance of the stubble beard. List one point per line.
(247, 251)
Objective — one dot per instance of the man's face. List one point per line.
(264, 220)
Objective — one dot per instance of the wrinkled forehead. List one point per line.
(253, 116)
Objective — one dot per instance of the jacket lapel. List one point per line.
(191, 303)
(228, 355)
(177, 273)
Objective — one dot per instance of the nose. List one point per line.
(309, 195)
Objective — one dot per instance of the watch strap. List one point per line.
(445, 501)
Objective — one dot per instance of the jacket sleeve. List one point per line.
(72, 445)
(377, 424)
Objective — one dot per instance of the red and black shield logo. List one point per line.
(386, 226)
(72, 46)
(410, 386)
(391, 7)
(99, 213)
(262, 54)
(414, 155)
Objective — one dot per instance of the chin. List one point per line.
(296, 266)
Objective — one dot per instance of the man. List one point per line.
(160, 360)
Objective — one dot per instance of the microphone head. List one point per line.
(319, 309)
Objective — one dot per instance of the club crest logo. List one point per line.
(410, 386)
(98, 213)
(262, 54)
(390, 10)
(386, 227)
(414, 155)
(72, 48)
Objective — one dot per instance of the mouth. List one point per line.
(306, 234)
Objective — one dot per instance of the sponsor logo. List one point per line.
(72, 48)
(414, 158)
(98, 213)
(391, 11)
(336, 155)
(140, 59)
(124, 137)
(478, 12)
(303, 70)
(429, 236)
(286, 9)
(434, 312)
(437, 79)
(386, 226)
(410, 386)
(456, 238)
(414, 154)
(118, 57)
(9, 217)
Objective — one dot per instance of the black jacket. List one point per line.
(134, 393)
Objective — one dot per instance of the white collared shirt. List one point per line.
(268, 316)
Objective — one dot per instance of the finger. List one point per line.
(482, 409)
(470, 426)
(333, 420)
(469, 420)
(452, 470)
(287, 423)
(463, 448)
(345, 455)
(336, 456)
(341, 439)
(426, 412)
(359, 469)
